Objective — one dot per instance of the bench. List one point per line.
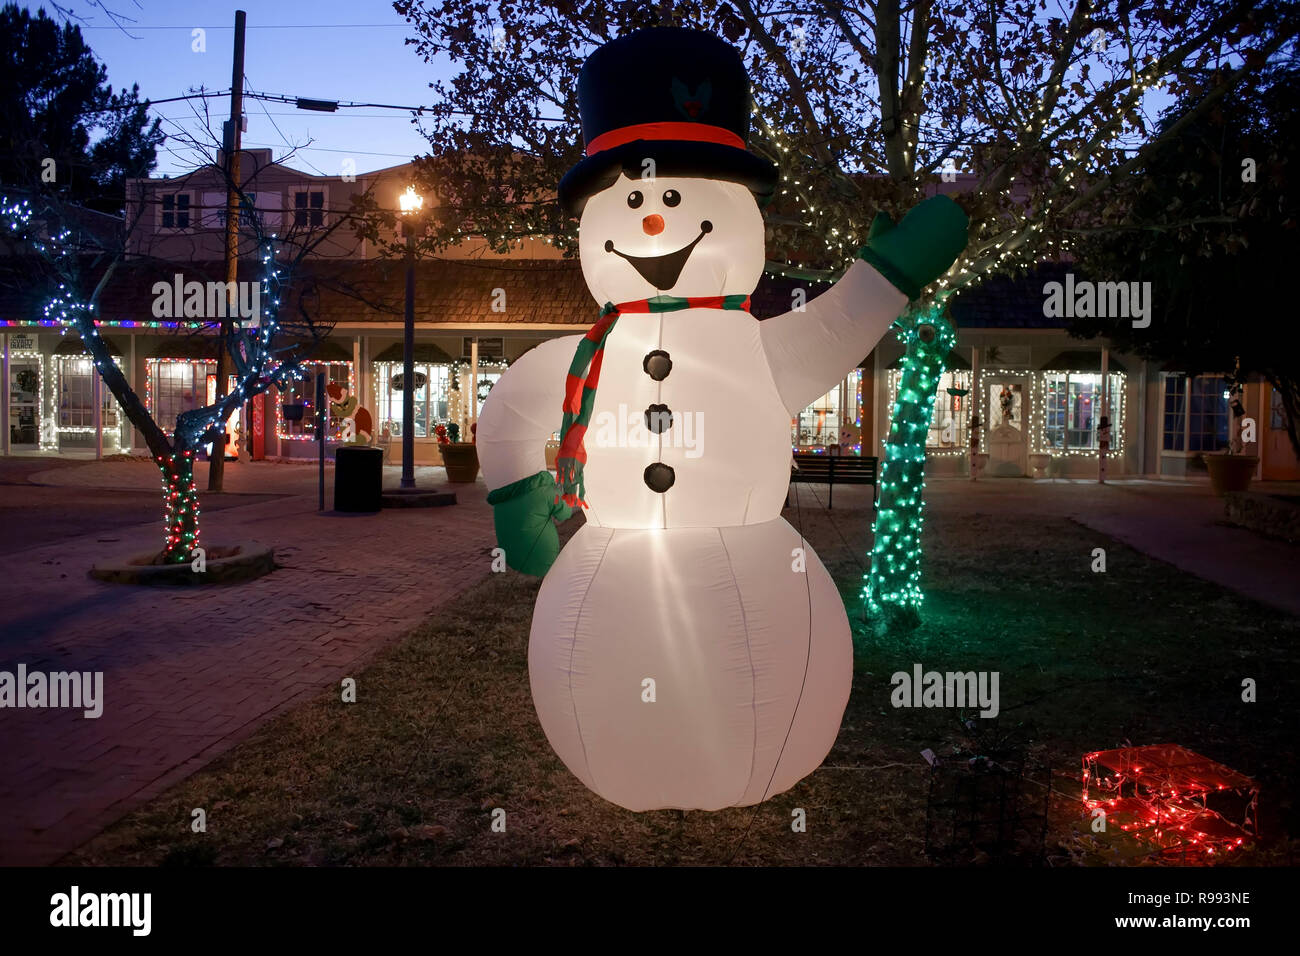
(832, 469)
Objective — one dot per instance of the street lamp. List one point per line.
(410, 201)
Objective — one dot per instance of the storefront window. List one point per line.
(1083, 409)
(1195, 415)
(431, 397)
(1054, 410)
(76, 396)
(1207, 414)
(1072, 403)
(176, 387)
(1175, 413)
(304, 391)
(819, 423)
(949, 425)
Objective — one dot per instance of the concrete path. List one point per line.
(189, 672)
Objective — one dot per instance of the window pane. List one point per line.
(949, 423)
(1175, 412)
(1055, 412)
(1083, 410)
(819, 423)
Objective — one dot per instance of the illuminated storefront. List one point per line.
(76, 389)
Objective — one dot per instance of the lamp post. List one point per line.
(411, 201)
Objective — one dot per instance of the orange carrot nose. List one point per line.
(653, 225)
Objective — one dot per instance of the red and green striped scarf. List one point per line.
(584, 375)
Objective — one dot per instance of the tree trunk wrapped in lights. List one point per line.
(182, 503)
(893, 586)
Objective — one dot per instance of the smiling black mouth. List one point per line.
(662, 272)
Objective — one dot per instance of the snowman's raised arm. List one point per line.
(810, 350)
(522, 411)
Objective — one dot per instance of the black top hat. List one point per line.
(678, 97)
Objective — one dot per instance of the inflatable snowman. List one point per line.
(688, 649)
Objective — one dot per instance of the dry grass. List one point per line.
(444, 730)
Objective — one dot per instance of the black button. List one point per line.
(659, 477)
(657, 364)
(658, 419)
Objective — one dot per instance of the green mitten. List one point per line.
(919, 249)
(524, 514)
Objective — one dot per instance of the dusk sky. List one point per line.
(323, 49)
(345, 50)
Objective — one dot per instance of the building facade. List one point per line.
(1037, 394)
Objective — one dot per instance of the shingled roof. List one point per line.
(532, 292)
(357, 291)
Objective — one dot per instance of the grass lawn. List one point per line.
(444, 730)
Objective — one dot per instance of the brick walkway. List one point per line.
(190, 672)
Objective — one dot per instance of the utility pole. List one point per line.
(231, 143)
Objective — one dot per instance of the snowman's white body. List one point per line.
(702, 589)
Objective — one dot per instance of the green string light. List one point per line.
(893, 585)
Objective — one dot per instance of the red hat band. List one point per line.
(694, 132)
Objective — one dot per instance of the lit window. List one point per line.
(303, 392)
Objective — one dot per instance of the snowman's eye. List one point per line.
(672, 197)
(635, 199)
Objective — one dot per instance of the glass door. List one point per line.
(1007, 410)
(24, 403)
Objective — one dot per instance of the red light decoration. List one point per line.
(1160, 794)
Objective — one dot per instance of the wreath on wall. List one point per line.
(26, 380)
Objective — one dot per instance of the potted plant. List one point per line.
(293, 411)
(1230, 470)
(1040, 461)
(459, 457)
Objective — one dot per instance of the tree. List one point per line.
(73, 267)
(864, 108)
(1212, 222)
(65, 131)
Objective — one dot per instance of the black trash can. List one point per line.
(358, 478)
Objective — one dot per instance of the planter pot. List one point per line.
(1040, 462)
(461, 461)
(552, 454)
(1230, 472)
(978, 462)
(293, 412)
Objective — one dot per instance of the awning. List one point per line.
(199, 348)
(1080, 360)
(72, 345)
(426, 353)
(326, 350)
(955, 362)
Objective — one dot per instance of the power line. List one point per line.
(149, 103)
(282, 136)
(286, 98)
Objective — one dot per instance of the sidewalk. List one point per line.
(190, 672)
(1181, 523)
